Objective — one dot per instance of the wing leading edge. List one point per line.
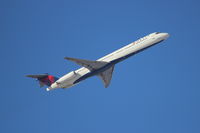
(91, 65)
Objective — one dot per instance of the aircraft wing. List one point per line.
(91, 65)
(106, 76)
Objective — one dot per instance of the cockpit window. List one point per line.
(157, 32)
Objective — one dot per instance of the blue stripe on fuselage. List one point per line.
(110, 64)
(94, 72)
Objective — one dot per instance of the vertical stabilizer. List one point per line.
(44, 79)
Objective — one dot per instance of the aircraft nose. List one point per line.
(165, 35)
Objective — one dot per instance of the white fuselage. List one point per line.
(68, 80)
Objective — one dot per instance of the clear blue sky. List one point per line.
(156, 91)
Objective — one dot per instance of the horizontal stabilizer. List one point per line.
(91, 65)
(37, 76)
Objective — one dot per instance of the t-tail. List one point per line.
(44, 79)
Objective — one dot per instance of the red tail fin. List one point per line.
(44, 79)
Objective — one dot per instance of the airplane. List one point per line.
(102, 67)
